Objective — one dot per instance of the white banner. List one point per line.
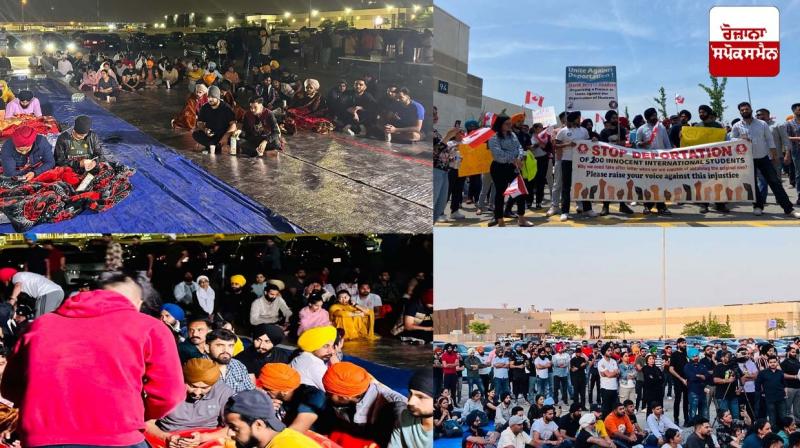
(714, 172)
(591, 88)
(546, 116)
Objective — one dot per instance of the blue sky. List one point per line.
(520, 45)
(612, 269)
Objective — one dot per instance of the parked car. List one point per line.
(199, 44)
(98, 41)
(314, 252)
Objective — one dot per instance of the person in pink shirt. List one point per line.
(313, 315)
(24, 104)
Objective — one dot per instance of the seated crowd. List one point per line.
(215, 366)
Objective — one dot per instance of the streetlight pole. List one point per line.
(22, 12)
(664, 281)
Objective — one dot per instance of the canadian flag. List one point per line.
(488, 119)
(535, 99)
(478, 137)
(516, 188)
(679, 99)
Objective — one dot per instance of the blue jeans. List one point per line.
(532, 389)
(697, 405)
(440, 189)
(775, 410)
(543, 386)
(728, 404)
(477, 381)
(501, 386)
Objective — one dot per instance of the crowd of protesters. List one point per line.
(588, 394)
(775, 143)
(218, 356)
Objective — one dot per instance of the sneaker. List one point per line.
(590, 214)
(757, 211)
(349, 131)
(704, 209)
(795, 214)
(722, 208)
(623, 208)
(665, 212)
(604, 211)
(564, 217)
(551, 211)
(456, 215)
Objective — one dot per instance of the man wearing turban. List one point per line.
(263, 350)
(317, 345)
(202, 410)
(414, 427)
(26, 154)
(24, 104)
(300, 404)
(236, 299)
(360, 407)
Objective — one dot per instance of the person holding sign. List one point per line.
(653, 135)
(506, 162)
(565, 142)
(708, 119)
(614, 134)
(758, 133)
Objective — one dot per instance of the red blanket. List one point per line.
(42, 125)
(51, 196)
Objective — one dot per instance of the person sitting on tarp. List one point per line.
(6, 96)
(24, 104)
(405, 124)
(107, 86)
(215, 122)
(261, 130)
(26, 154)
(202, 410)
(300, 404)
(79, 147)
(360, 410)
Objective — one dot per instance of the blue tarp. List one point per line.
(392, 377)
(170, 194)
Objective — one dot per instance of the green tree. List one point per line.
(624, 328)
(563, 329)
(661, 101)
(716, 95)
(610, 329)
(479, 328)
(711, 327)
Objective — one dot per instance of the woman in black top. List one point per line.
(653, 389)
(535, 411)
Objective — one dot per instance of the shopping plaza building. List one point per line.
(750, 319)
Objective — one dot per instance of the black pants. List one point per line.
(594, 380)
(539, 181)
(560, 383)
(502, 175)
(610, 399)
(578, 387)
(639, 394)
(566, 187)
(764, 165)
(669, 381)
(202, 138)
(456, 190)
(487, 380)
(249, 147)
(475, 185)
(520, 386)
(681, 392)
(659, 205)
(451, 382)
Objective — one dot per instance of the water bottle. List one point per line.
(233, 146)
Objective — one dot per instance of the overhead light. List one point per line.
(358, 17)
(230, 19)
(348, 10)
(287, 14)
(165, 17)
(378, 21)
(314, 13)
(338, 19)
(28, 47)
(71, 46)
(413, 16)
(416, 8)
(112, 27)
(294, 20)
(209, 19)
(390, 7)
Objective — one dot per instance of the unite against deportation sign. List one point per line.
(744, 41)
(591, 88)
(713, 172)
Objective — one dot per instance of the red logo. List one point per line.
(583, 148)
(744, 41)
(741, 148)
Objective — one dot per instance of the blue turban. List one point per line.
(174, 310)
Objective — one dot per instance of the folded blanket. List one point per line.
(51, 196)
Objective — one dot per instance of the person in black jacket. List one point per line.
(360, 110)
(264, 349)
(261, 130)
(79, 147)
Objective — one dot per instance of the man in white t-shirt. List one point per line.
(609, 372)
(47, 294)
(653, 135)
(544, 431)
(542, 364)
(566, 142)
(367, 299)
(514, 436)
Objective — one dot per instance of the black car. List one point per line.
(200, 44)
(314, 252)
(100, 41)
(158, 41)
(288, 44)
(176, 35)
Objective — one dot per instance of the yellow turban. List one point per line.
(278, 377)
(274, 65)
(238, 280)
(277, 283)
(346, 379)
(315, 338)
(200, 370)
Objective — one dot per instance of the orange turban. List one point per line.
(200, 370)
(278, 377)
(518, 118)
(346, 379)
(209, 78)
